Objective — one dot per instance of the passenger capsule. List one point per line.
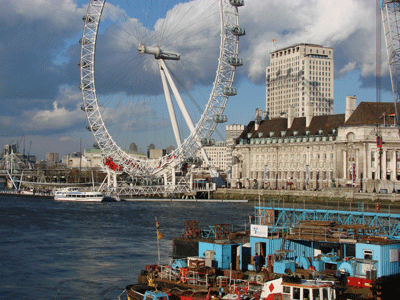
(92, 128)
(236, 61)
(87, 108)
(197, 160)
(238, 31)
(96, 145)
(229, 91)
(84, 41)
(194, 160)
(218, 118)
(83, 64)
(237, 2)
(88, 19)
(207, 142)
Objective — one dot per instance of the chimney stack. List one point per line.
(351, 104)
(258, 118)
(308, 113)
(290, 116)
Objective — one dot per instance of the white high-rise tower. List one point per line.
(298, 76)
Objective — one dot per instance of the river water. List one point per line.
(59, 250)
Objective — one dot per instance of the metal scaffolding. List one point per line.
(376, 224)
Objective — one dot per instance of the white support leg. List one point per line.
(178, 97)
(185, 113)
(168, 99)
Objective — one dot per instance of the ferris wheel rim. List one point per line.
(204, 127)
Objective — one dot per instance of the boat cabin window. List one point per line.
(325, 294)
(315, 294)
(296, 293)
(286, 289)
(306, 294)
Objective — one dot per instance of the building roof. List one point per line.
(371, 113)
(301, 44)
(327, 123)
(366, 113)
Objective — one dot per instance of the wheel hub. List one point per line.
(158, 53)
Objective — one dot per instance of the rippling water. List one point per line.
(59, 250)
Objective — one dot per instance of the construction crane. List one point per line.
(391, 24)
(378, 50)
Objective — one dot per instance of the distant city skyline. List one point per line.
(39, 76)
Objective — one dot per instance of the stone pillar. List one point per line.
(248, 164)
(384, 167)
(357, 162)
(377, 164)
(365, 164)
(344, 164)
(393, 164)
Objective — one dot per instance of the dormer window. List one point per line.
(350, 136)
(260, 134)
(320, 132)
(295, 133)
(307, 132)
(271, 133)
(283, 133)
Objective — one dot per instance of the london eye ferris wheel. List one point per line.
(157, 72)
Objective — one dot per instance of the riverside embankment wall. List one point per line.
(333, 194)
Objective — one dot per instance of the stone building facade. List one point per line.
(319, 152)
(217, 155)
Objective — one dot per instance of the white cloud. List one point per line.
(60, 14)
(346, 25)
(69, 95)
(53, 119)
(347, 68)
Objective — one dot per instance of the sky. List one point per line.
(39, 51)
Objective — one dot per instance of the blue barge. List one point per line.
(357, 250)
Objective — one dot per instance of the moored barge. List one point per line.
(305, 254)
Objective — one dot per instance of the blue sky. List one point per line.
(39, 52)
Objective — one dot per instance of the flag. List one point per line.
(159, 235)
(158, 224)
(379, 142)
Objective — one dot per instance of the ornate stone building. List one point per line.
(317, 152)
